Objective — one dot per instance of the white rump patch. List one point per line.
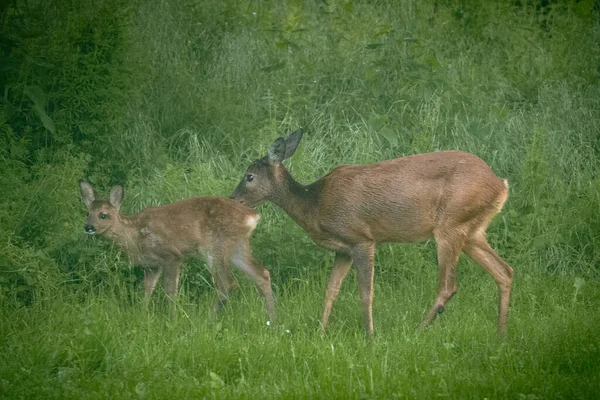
(505, 182)
(252, 221)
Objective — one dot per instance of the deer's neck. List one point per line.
(126, 233)
(301, 202)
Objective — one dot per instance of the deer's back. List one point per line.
(405, 199)
(201, 223)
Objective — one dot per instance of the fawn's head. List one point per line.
(265, 177)
(102, 214)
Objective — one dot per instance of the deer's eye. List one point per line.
(103, 216)
(249, 177)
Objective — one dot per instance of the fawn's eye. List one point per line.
(249, 177)
(103, 216)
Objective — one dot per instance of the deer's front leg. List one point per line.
(363, 255)
(151, 276)
(172, 271)
(340, 269)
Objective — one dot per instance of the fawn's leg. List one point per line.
(151, 276)
(243, 259)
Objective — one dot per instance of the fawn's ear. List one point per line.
(87, 193)
(116, 195)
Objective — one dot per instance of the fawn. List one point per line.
(159, 238)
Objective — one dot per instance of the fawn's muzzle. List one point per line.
(89, 229)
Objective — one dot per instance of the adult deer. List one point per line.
(450, 195)
(159, 238)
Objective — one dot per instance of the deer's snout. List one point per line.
(235, 194)
(235, 197)
(89, 229)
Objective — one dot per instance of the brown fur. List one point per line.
(159, 238)
(450, 195)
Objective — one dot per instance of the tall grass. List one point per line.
(175, 99)
(98, 346)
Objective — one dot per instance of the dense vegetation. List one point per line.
(173, 99)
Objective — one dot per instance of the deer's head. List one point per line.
(266, 177)
(102, 214)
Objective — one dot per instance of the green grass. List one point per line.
(97, 347)
(175, 99)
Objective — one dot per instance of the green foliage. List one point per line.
(174, 99)
(98, 347)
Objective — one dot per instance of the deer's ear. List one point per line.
(116, 195)
(87, 193)
(277, 151)
(291, 143)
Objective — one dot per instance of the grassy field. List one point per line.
(175, 99)
(99, 347)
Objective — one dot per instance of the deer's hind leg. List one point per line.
(225, 282)
(449, 245)
(482, 253)
(243, 259)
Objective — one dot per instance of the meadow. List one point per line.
(176, 99)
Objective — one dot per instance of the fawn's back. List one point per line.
(204, 225)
